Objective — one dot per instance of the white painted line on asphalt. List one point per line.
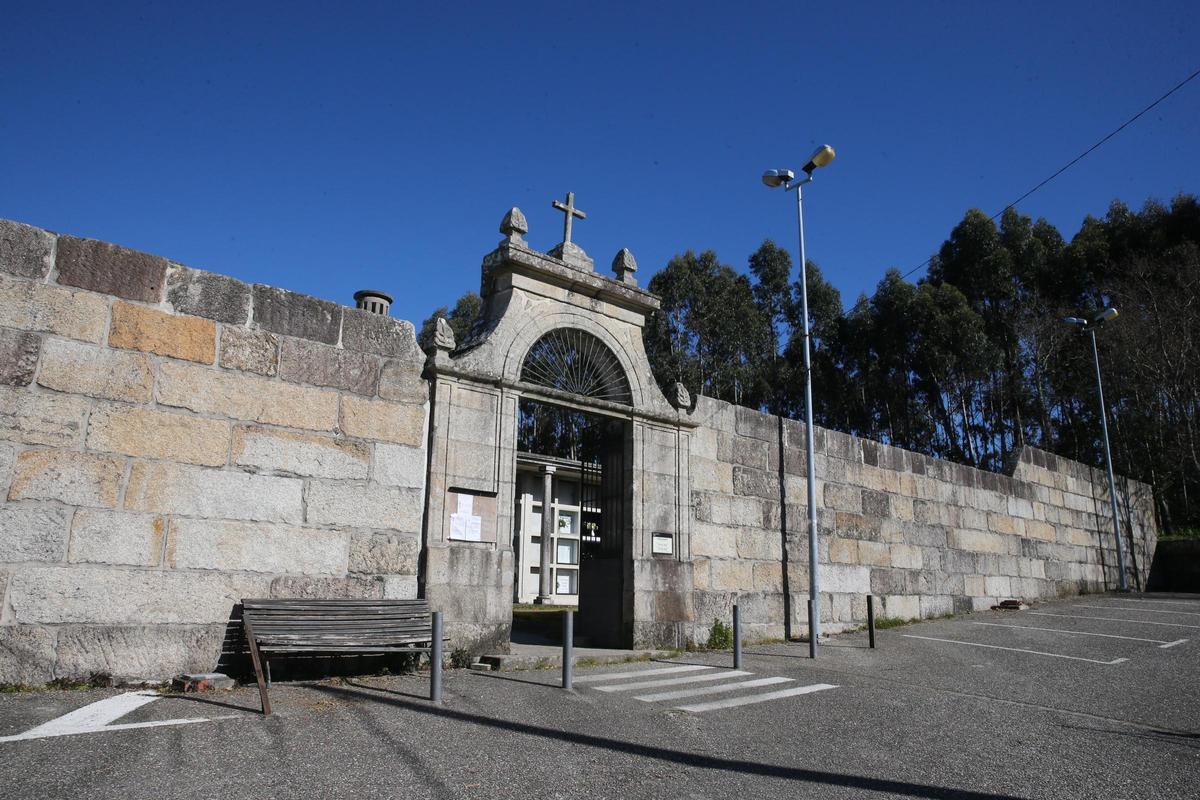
(1139, 610)
(724, 687)
(1171, 644)
(1016, 650)
(625, 687)
(1112, 619)
(733, 702)
(1191, 603)
(1072, 633)
(616, 676)
(95, 717)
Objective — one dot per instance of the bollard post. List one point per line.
(737, 638)
(568, 672)
(871, 619)
(435, 660)
(812, 637)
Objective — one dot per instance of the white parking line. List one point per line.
(1172, 644)
(1016, 650)
(1139, 610)
(1191, 603)
(724, 687)
(625, 687)
(1112, 619)
(1161, 642)
(733, 702)
(96, 717)
(615, 676)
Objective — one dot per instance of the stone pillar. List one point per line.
(544, 587)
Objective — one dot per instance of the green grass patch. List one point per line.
(1180, 533)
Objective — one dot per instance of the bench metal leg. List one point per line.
(258, 659)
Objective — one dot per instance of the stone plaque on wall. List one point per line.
(473, 431)
(470, 517)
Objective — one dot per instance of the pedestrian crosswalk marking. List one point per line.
(732, 702)
(724, 687)
(710, 676)
(697, 680)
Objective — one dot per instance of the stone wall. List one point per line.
(928, 537)
(173, 440)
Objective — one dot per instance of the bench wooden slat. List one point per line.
(353, 626)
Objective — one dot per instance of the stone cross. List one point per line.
(571, 212)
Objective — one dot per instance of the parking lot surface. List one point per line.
(1091, 697)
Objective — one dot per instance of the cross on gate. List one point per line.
(571, 212)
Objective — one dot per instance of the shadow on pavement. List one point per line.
(252, 703)
(496, 676)
(680, 757)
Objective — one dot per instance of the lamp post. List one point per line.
(775, 178)
(1090, 326)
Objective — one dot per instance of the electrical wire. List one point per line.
(1077, 159)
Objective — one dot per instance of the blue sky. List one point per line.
(326, 149)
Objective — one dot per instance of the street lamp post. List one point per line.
(1090, 326)
(775, 178)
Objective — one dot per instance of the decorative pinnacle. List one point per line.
(443, 337)
(624, 265)
(514, 225)
(682, 399)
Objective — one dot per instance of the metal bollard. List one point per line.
(812, 639)
(871, 619)
(737, 638)
(435, 660)
(568, 674)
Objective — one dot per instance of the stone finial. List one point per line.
(443, 336)
(514, 226)
(624, 265)
(682, 398)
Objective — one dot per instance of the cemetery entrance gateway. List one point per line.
(554, 332)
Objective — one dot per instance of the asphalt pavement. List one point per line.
(1093, 697)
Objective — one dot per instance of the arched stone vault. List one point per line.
(476, 387)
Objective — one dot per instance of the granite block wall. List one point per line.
(927, 537)
(172, 440)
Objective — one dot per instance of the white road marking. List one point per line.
(1171, 644)
(639, 673)
(1139, 610)
(1191, 603)
(1112, 619)
(724, 687)
(1073, 633)
(1015, 650)
(96, 717)
(625, 687)
(733, 702)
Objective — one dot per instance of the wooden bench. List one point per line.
(357, 627)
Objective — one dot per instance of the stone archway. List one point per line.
(477, 385)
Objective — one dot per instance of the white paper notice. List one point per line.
(464, 525)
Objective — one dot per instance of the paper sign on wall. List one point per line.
(662, 544)
(465, 525)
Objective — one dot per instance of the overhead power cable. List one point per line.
(1078, 158)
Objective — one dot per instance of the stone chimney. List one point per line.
(373, 300)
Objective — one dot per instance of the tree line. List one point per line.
(971, 361)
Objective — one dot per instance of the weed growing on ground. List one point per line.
(720, 637)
